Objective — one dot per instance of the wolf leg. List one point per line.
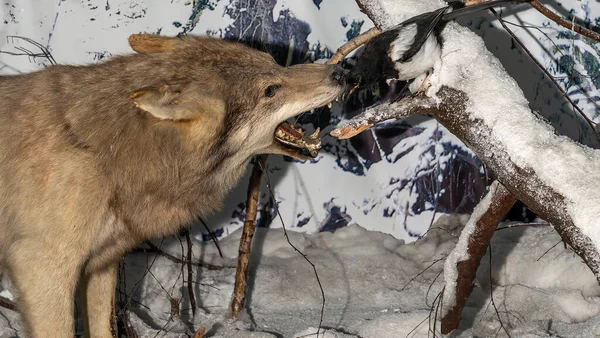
(97, 295)
(45, 279)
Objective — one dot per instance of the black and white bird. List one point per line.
(411, 49)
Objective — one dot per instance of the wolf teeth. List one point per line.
(316, 133)
(329, 105)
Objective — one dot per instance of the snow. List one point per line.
(571, 169)
(369, 190)
(375, 286)
(364, 272)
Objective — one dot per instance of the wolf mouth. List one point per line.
(293, 139)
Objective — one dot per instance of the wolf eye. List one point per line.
(270, 91)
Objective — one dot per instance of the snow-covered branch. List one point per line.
(482, 105)
(461, 265)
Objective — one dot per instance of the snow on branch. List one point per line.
(482, 105)
(461, 265)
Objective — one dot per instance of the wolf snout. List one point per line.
(338, 76)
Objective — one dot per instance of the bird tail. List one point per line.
(477, 7)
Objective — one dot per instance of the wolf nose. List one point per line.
(338, 75)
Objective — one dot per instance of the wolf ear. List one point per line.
(177, 102)
(149, 43)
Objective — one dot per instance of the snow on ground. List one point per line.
(375, 286)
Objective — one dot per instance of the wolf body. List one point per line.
(97, 159)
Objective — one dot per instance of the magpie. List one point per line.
(411, 49)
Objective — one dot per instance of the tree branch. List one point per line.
(353, 44)
(241, 274)
(7, 304)
(553, 17)
(403, 108)
(559, 20)
(519, 179)
(481, 105)
(190, 274)
(464, 260)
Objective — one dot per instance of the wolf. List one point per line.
(96, 159)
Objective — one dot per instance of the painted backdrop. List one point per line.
(396, 178)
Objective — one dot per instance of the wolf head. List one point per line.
(173, 126)
(244, 90)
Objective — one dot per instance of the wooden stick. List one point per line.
(241, 274)
(353, 44)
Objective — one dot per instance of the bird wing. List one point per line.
(423, 32)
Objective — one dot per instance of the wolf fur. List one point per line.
(96, 159)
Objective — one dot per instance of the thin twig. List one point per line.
(45, 53)
(298, 251)
(212, 235)
(7, 304)
(417, 327)
(190, 276)
(431, 286)
(518, 225)
(492, 294)
(422, 272)
(567, 24)
(123, 320)
(547, 251)
(154, 249)
(128, 326)
(433, 310)
(542, 68)
(353, 44)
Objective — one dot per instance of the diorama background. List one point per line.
(396, 178)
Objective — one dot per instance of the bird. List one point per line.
(411, 49)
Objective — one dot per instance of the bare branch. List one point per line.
(154, 249)
(483, 224)
(287, 238)
(553, 17)
(7, 304)
(543, 69)
(241, 274)
(353, 44)
(567, 24)
(190, 275)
